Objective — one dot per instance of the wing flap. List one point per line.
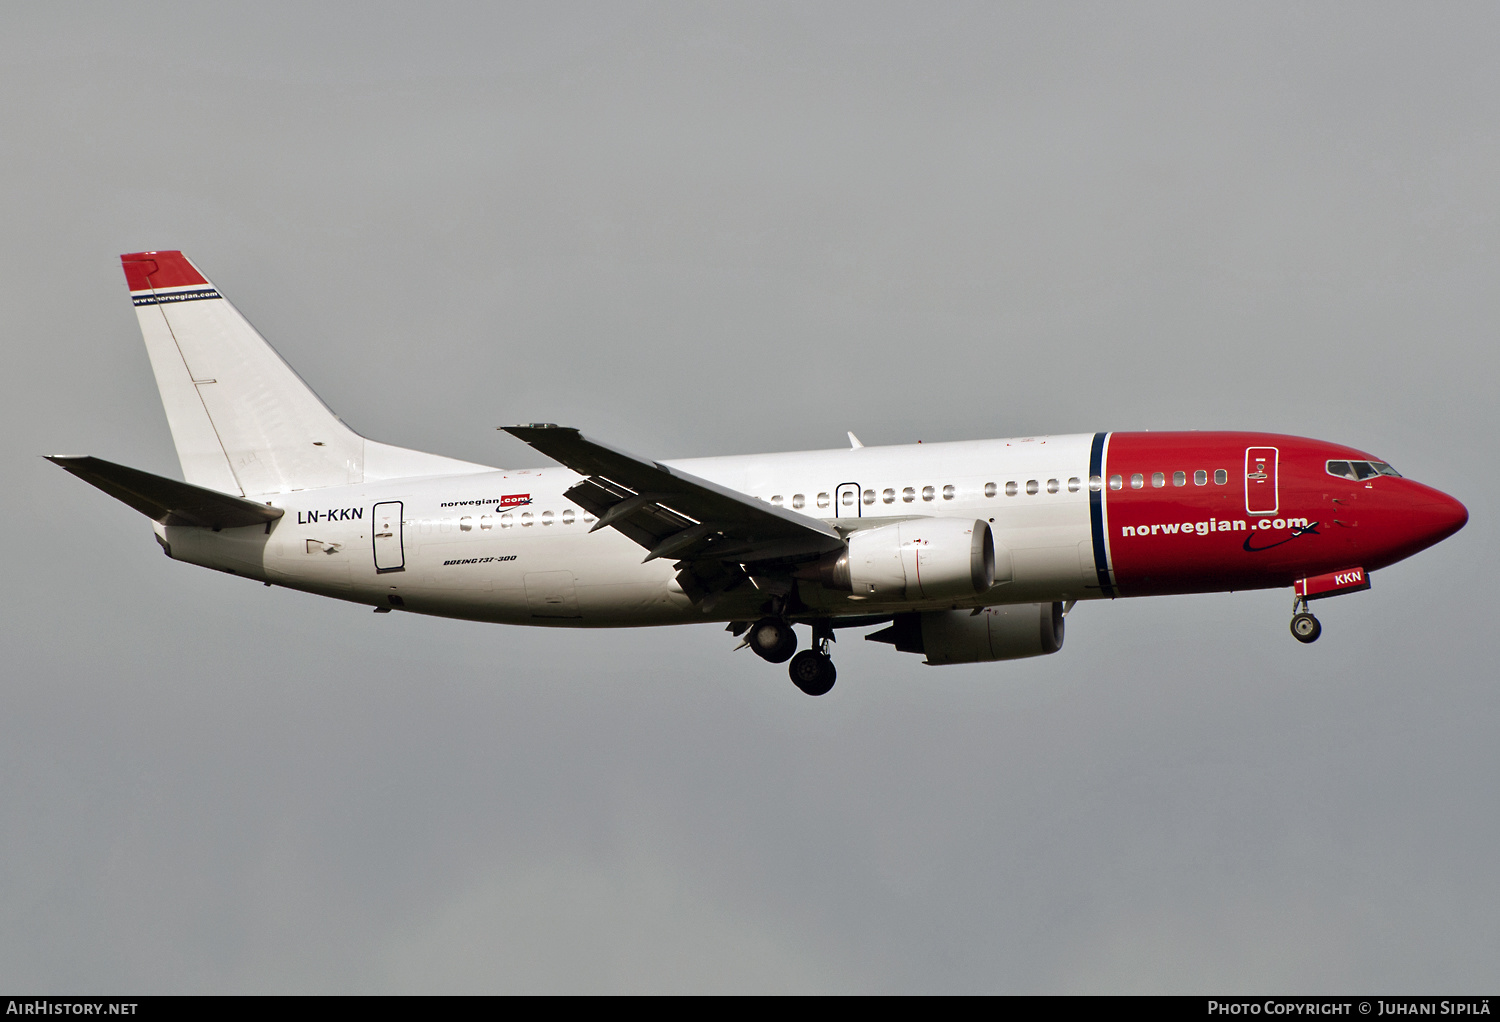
(672, 513)
(167, 501)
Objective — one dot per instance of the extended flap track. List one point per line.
(718, 536)
(663, 532)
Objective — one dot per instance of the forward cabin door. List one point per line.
(1260, 481)
(390, 555)
(846, 501)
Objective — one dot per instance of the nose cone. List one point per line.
(1434, 516)
(1398, 521)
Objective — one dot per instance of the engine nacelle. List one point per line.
(963, 637)
(923, 559)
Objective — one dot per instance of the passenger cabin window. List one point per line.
(1137, 480)
(1096, 484)
(908, 495)
(1221, 477)
(546, 517)
(506, 520)
(823, 500)
(486, 522)
(1010, 488)
(847, 498)
(567, 517)
(928, 493)
(1158, 479)
(888, 496)
(798, 500)
(990, 489)
(869, 496)
(525, 519)
(1179, 478)
(776, 500)
(1200, 478)
(1052, 486)
(466, 523)
(1032, 487)
(948, 492)
(1116, 483)
(1074, 485)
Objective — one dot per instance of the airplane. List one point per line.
(962, 552)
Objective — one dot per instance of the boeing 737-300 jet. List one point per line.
(960, 552)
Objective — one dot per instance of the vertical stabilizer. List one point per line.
(243, 421)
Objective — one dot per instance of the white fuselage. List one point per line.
(507, 546)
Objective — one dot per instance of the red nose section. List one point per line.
(1401, 519)
(1438, 518)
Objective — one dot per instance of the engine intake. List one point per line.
(962, 637)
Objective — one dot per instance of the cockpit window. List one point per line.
(1361, 470)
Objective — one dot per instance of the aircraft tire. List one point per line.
(813, 672)
(773, 640)
(1306, 628)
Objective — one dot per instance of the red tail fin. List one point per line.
(145, 271)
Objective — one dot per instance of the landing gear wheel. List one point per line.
(773, 640)
(1305, 627)
(813, 672)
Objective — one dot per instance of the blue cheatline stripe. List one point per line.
(1096, 513)
(168, 297)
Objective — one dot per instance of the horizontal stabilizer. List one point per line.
(167, 501)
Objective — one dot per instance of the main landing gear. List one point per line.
(772, 640)
(812, 670)
(1305, 627)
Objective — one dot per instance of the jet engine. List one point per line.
(965, 637)
(922, 559)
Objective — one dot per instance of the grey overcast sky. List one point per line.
(719, 228)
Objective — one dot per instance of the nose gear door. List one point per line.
(1261, 497)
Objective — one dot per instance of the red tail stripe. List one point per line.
(147, 270)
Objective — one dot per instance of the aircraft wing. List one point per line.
(674, 514)
(166, 500)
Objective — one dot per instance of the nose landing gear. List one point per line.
(1305, 627)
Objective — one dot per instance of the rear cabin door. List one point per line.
(1260, 481)
(390, 555)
